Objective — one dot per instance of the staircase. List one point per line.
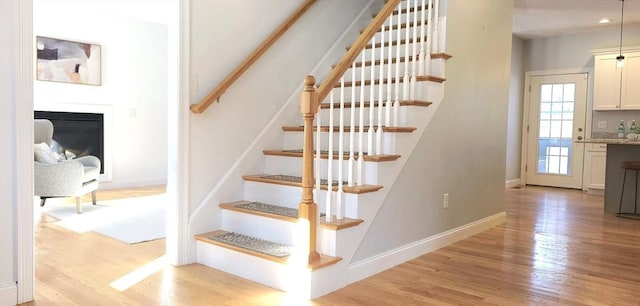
(370, 121)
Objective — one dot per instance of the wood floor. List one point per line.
(556, 248)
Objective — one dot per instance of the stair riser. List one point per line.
(275, 230)
(367, 93)
(403, 35)
(404, 115)
(247, 266)
(290, 196)
(293, 140)
(292, 166)
(406, 61)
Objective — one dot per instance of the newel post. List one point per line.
(308, 210)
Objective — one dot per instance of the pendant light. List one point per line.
(620, 57)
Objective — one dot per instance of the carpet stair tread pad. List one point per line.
(254, 244)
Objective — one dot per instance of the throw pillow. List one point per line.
(43, 153)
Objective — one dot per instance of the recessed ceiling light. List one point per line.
(604, 20)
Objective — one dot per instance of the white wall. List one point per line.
(134, 85)
(223, 34)
(514, 117)
(7, 153)
(16, 161)
(462, 152)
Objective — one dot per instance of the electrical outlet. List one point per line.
(445, 203)
(602, 124)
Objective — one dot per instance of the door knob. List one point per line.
(579, 137)
(579, 129)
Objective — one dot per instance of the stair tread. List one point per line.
(336, 105)
(324, 260)
(285, 214)
(295, 181)
(324, 128)
(248, 245)
(325, 155)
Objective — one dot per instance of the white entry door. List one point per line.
(557, 110)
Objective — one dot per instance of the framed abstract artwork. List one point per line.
(68, 61)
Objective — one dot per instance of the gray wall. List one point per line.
(569, 51)
(574, 51)
(514, 118)
(462, 152)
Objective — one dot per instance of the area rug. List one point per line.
(131, 220)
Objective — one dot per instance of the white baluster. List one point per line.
(435, 46)
(330, 193)
(387, 116)
(360, 180)
(414, 52)
(397, 85)
(407, 78)
(352, 132)
(372, 102)
(316, 170)
(422, 53)
(340, 152)
(427, 60)
(380, 93)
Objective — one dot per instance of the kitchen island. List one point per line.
(618, 150)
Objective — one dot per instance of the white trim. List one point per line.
(177, 242)
(25, 267)
(526, 104)
(512, 183)
(615, 50)
(121, 184)
(370, 266)
(8, 295)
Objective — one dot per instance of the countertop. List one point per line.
(609, 141)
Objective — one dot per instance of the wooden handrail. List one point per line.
(351, 55)
(215, 94)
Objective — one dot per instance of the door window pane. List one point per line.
(556, 128)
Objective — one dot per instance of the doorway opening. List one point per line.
(555, 122)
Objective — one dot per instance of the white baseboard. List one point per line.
(121, 184)
(370, 266)
(9, 295)
(512, 183)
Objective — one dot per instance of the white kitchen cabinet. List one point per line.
(616, 88)
(594, 168)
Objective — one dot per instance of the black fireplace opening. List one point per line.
(81, 134)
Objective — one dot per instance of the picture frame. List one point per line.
(67, 61)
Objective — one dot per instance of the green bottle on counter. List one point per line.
(621, 130)
(633, 128)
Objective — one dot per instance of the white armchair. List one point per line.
(66, 178)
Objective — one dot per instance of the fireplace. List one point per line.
(80, 134)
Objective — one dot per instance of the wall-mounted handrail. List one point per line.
(351, 55)
(215, 94)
